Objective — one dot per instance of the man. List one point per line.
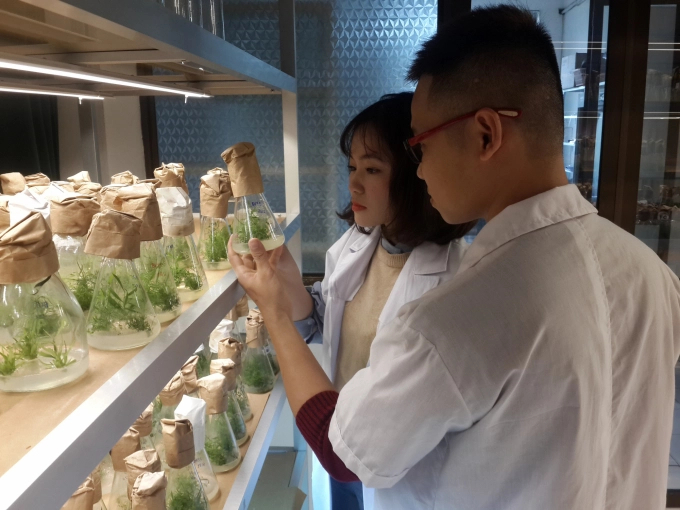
(542, 375)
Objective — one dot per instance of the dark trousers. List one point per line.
(346, 496)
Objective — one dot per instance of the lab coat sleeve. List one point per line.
(394, 412)
(311, 328)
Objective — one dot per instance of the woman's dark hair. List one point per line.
(415, 221)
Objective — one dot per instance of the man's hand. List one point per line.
(257, 274)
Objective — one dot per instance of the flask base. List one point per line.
(106, 342)
(46, 379)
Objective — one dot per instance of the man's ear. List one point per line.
(489, 131)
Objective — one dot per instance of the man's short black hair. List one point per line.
(497, 57)
(416, 221)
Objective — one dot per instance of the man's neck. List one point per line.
(526, 184)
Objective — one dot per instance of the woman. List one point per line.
(397, 248)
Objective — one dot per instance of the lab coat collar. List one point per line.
(429, 258)
(365, 240)
(549, 208)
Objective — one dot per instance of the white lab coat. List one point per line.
(347, 261)
(540, 377)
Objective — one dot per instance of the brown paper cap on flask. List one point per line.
(83, 176)
(240, 310)
(171, 176)
(189, 375)
(178, 439)
(244, 171)
(144, 423)
(90, 189)
(215, 192)
(27, 253)
(255, 334)
(230, 348)
(126, 445)
(39, 182)
(72, 214)
(142, 461)
(214, 391)
(125, 177)
(108, 197)
(82, 498)
(12, 183)
(173, 392)
(148, 492)
(140, 200)
(228, 369)
(115, 235)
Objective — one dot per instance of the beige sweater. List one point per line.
(360, 320)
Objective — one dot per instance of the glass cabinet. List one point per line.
(657, 219)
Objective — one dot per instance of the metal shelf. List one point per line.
(89, 34)
(51, 470)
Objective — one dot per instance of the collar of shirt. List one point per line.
(549, 208)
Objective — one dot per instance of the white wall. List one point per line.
(70, 153)
(123, 131)
(119, 131)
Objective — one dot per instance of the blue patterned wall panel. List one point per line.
(349, 53)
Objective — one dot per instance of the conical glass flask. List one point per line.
(71, 216)
(121, 315)
(194, 410)
(253, 219)
(184, 489)
(215, 191)
(42, 328)
(77, 269)
(180, 249)
(164, 408)
(157, 278)
(228, 369)
(158, 281)
(258, 376)
(119, 498)
(220, 443)
(230, 348)
(212, 246)
(186, 267)
(255, 315)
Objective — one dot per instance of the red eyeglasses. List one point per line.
(412, 145)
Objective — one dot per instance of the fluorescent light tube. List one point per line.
(24, 90)
(90, 76)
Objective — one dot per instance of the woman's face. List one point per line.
(369, 181)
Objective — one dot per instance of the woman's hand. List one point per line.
(257, 273)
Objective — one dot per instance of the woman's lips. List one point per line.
(357, 207)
